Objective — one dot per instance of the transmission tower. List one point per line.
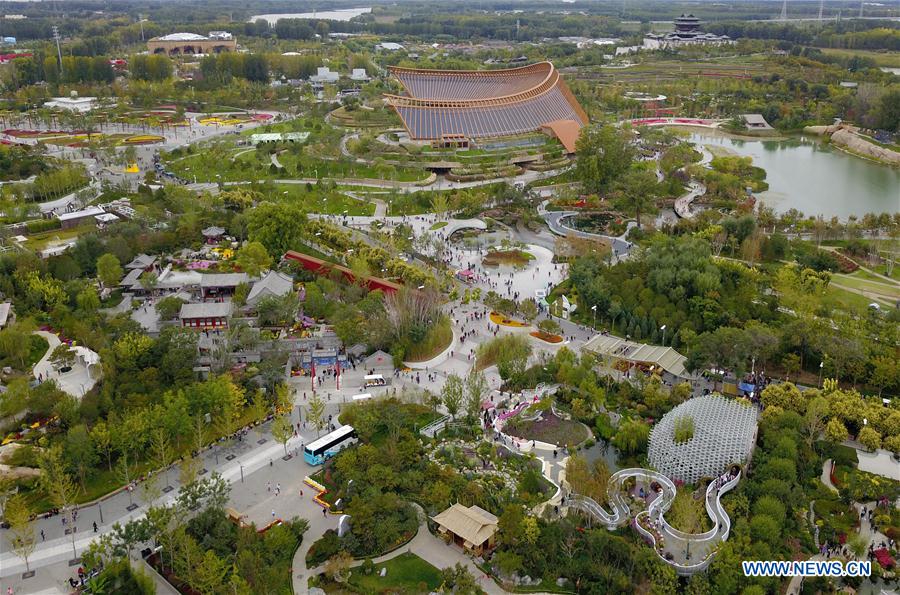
(821, 7)
(861, 4)
(58, 51)
(784, 11)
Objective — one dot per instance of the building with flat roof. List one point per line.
(324, 75)
(76, 218)
(73, 103)
(469, 104)
(277, 137)
(177, 44)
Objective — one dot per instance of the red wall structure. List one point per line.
(324, 268)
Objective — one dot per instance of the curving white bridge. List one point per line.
(687, 552)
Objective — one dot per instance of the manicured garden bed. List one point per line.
(502, 320)
(507, 257)
(550, 429)
(546, 337)
(407, 573)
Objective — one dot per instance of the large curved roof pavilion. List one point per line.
(724, 434)
(490, 103)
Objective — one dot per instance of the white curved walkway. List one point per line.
(77, 381)
(687, 552)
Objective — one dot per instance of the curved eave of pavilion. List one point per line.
(548, 82)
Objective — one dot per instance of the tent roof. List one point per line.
(473, 524)
(666, 357)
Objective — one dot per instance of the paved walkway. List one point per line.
(555, 221)
(826, 476)
(76, 382)
(424, 544)
(246, 465)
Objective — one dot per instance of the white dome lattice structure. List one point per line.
(724, 434)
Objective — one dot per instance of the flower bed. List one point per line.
(502, 320)
(321, 491)
(142, 139)
(546, 337)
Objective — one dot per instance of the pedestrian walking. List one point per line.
(95, 526)
(273, 513)
(42, 536)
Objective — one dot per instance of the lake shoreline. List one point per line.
(807, 173)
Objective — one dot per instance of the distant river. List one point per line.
(805, 174)
(344, 14)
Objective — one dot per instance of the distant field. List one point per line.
(889, 59)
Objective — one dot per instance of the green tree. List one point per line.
(282, 430)
(636, 192)
(603, 154)
(885, 373)
(109, 270)
(528, 310)
(315, 412)
(80, 452)
(835, 430)
(210, 574)
(549, 326)
(88, 301)
(253, 259)
(62, 357)
(169, 307)
(101, 438)
(277, 226)
(632, 436)
(869, 438)
(57, 484)
(452, 394)
(476, 389)
(20, 534)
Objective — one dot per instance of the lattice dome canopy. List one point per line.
(724, 434)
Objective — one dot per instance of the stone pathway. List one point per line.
(826, 476)
(76, 382)
(425, 545)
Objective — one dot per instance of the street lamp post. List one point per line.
(821, 368)
(663, 329)
(594, 309)
(242, 472)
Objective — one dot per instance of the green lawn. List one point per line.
(407, 573)
(889, 59)
(36, 349)
(41, 240)
(332, 203)
(840, 298)
(881, 287)
(438, 225)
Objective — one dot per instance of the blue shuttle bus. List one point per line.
(327, 446)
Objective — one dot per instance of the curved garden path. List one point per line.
(687, 552)
(424, 544)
